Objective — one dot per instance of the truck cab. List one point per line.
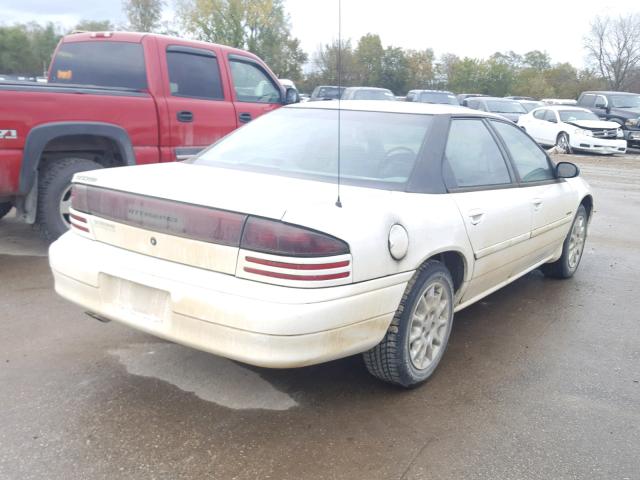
(116, 99)
(620, 107)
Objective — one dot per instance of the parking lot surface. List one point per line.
(540, 380)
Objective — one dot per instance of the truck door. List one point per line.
(255, 91)
(200, 110)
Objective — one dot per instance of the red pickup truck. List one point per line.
(117, 98)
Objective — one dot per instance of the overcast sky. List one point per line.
(466, 28)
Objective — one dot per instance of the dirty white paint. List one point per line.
(210, 378)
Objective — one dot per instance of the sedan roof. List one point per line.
(394, 107)
(557, 108)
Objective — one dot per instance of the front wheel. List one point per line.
(5, 208)
(563, 143)
(419, 332)
(572, 248)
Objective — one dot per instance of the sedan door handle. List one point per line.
(476, 216)
(244, 117)
(185, 116)
(537, 203)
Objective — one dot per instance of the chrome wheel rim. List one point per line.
(430, 321)
(577, 238)
(563, 142)
(65, 205)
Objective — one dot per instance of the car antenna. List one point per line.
(338, 201)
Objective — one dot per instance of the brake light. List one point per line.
(277, 238)
(79, 197)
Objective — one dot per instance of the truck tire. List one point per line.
(419, 332)
(54, 194)
(5, 208)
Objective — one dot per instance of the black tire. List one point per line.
(55, 179)
(391, 360)
(563, 142)
(5, 208)
(568, 262)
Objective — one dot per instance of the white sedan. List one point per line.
(284, 250)
(573, 128)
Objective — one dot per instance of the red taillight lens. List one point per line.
(79, 197)
(277, 238)
(165, 216)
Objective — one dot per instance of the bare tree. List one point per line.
(143, 15)
(614, 47)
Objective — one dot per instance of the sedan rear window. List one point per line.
(376, 149)
(100, 64)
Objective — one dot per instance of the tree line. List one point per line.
(264, 28)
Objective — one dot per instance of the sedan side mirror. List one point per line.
(291, 96)
(567, 170)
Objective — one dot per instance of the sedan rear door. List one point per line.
(496, 213)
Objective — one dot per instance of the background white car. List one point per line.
(573, 128)
(253, 251)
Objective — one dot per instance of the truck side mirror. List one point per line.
(291, 96)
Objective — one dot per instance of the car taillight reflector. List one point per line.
(290, 276)
(159, 215)
(277, 238)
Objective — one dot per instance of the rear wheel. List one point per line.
(54, 194)
(563, 143)
(572, 248)
(419, 332)
(5, 208)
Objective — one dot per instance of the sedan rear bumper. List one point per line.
(255, 323)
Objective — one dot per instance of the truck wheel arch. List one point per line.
(41, 135)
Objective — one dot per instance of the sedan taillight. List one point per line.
(277, 238)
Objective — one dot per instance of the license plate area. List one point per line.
(146, 304)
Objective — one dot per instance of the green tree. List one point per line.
(325, 65)
(537, 60)
(95, 26)
(26, 49)
(260, 26)
(369, 59)
(143, 15)
(563, 79)
(420, 68)
(395, 70)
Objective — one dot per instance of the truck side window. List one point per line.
(252, 84)
(193, 75)
(601, 101)
(588, 100)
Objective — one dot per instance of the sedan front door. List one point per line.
(553, 200)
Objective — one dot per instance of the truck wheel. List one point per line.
(418, 335)
(54, 194)
(572, 248)
(5, 208)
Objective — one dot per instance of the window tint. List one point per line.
(192, 75)
(101, 64)
(588, 100)
(473, 104)
(375, 148)
(601, 101)
(550, 116)
(472, 157)
(530, 161)
(252, 84)
(539, 114)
